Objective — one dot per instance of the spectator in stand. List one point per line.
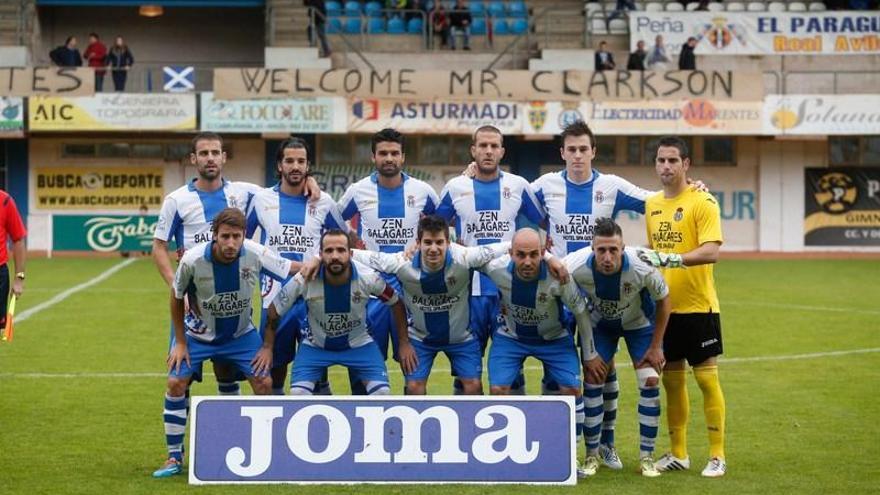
(120, 60)
(440, 23)
(637, 58)
(460, 22)
(66, 55)
(318, 29)
(657, 58)
(96, 57)
(686, 59)
(621, 6)
(604, 60)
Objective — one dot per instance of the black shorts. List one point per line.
(693, 336)
(4, 292)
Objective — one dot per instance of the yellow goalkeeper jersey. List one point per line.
(679, 225)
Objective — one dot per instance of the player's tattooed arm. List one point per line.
(409, 361)
(557, 268)
(654, 355)
(262, 362)
(179, 353)
(163, 261)
(312, 189)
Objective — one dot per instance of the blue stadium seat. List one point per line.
(477, 9)
(334, 25)
(499, 26)
(376, 25)
(396, 26)
(414, 26)
(352, 8)
(479, 26)
(517, 8)
(333, 8)
(373, 9)
(496, 9)
(519, 26)
(352, 25)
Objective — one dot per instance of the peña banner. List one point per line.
(383, 440)
(47, 81)
(842, 206)
(104, 234)
(760, 33)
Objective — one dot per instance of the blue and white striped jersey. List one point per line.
(572, 209)
(292, 226)
(486, 212)
(532, 309)
(389, 218)
(623, 301)
(438, 302)
(223, 292)
(337, 313)
(187, 213)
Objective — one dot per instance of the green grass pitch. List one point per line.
(81, 388)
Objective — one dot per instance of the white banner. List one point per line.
(821, 114)
(760, 33)
(113, 112)
(651, 117)
(433, 117)
(290, 115)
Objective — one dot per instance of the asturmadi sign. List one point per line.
(46, 81)
(764, 33)
(473, 440)
(114, 112)
(434, 117)
(324, 115)
(821, 114)
(687, 116)
(485, 85)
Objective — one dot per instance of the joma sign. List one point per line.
(363, 440)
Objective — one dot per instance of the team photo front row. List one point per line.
(562, 295)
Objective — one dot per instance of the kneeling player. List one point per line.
(336, 301)
(221, 277)
(623, 290)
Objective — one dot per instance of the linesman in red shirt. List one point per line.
(11, 227)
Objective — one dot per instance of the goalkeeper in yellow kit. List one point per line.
(684, 233)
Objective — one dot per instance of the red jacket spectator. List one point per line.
(96, 54)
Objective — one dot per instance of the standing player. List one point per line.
(11, 227)
(437, 284)
(535, 325)
(389, 204)
(623, 291)
(219, 277)
(684, 229)
(186, 217)
(336, 302)
(573, 199)
(292, 226)
(485, 208)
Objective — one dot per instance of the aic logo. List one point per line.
(388, 440)
(107, 233)
(836, 192)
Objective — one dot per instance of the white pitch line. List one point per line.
(786, 357)
(804, 307)
(24, 315)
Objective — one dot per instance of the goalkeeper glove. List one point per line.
(660, 260)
